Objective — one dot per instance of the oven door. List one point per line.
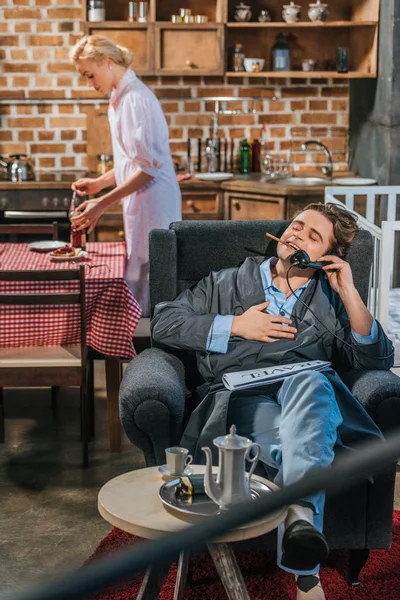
(37, 216)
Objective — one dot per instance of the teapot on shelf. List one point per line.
(232, 486)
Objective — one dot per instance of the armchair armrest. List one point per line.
(152, 401)
(379, 393)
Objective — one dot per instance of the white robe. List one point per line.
(140, 141)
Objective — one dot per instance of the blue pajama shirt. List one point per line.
(294, 434)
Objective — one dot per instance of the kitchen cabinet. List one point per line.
(196, 205)
(137, 37)
(240, 206)
(167, 48)
(202, 205)
(109, 228)
(185, 49)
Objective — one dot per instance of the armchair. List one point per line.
(155, 384)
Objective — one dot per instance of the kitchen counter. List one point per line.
(252, 183)
(46, 180)
(260, 184)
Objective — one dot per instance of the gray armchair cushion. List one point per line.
(379, 393)
(152, 401)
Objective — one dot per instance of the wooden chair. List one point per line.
(48, 366)
(30, 229)
(22, 229)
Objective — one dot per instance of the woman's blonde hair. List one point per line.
(97, 48)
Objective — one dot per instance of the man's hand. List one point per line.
(339, 274)
(254, 324)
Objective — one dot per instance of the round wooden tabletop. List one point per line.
(131, 503)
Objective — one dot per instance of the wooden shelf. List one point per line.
(303, 74)
(116, 25)
(171, 25)
(161, 47)
(284, 25)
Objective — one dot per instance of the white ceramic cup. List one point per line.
(178, 459)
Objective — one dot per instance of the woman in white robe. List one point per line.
(143, 171)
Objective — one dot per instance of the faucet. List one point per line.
(328, 170)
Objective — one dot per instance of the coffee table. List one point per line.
(131, 503)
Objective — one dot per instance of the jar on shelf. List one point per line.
(96, 10)
(238, 58)
(104, 163)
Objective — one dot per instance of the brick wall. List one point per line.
(35, 38)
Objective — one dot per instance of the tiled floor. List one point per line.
(48, 503)
(48, 515)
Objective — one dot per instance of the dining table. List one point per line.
(112, 312)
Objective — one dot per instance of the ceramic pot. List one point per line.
(308, 64)
(318, 12)
(264, 16)
(242, 12)
(291, 12)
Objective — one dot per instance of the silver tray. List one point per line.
(200, 504)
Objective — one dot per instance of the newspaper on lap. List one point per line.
(242, 380)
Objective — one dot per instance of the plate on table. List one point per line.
(353, 181)
(46, 245)
(200, 504)
(213, 176)
(68, 258)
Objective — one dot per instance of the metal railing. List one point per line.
(372, 458)
(383, 234)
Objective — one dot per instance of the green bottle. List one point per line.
(244, 157)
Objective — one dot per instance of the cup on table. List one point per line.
(178, 459)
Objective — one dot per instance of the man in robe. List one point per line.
(265, 313)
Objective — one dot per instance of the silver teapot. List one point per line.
(232, 486)
(17, 167)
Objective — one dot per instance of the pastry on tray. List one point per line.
(67, 251)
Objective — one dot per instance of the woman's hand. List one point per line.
(87, 185)
(89, 213)
(339, 274)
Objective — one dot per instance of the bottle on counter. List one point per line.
(238, 58)
(77, 236)
(244, 157)
(280, 54)
(211, 155)
(264, 140)
(255, 156)
(265, 159)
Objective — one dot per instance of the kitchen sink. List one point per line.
(301, 181)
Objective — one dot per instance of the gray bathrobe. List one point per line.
(185, 323)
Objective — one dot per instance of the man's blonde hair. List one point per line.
(97, 48)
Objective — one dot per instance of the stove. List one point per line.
(44, 200)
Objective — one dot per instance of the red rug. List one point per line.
(381, 576)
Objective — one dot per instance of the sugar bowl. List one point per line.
(291, 12)
(318, 12)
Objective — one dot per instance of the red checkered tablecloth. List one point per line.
(112, 312)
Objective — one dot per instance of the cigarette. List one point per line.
(281, 241)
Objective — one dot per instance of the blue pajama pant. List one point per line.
(296, 429)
